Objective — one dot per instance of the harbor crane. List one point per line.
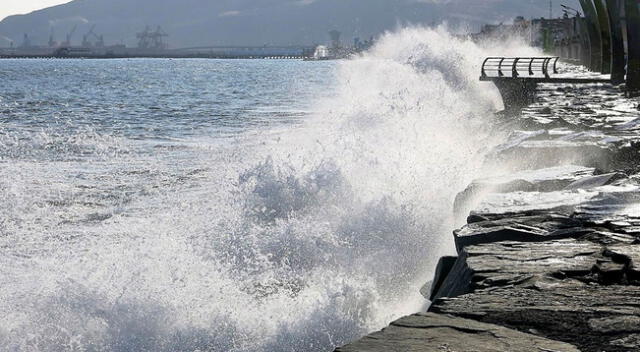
(148, 39)
(69, 36)
(99, 39)
(26, 41)
(143, 38)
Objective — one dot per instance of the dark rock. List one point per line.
(563, 310)
(629, 341)
(502, 205)
(618, 210)
(445, 264)
(519, 228)
(515, 263)
(435, 332)
(543, 180)
(476, 218)
(568, 290)
(615, 324)
(596, 181)
(457, 282)
(614, 205)
(548, 153)
(630, 256)
(525, 264)
(534, 259)
(608, 238)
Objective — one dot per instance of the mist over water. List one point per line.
(143, 223)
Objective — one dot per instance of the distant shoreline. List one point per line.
(224, 57)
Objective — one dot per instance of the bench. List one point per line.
(517, 78)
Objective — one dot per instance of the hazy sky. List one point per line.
(14, 7)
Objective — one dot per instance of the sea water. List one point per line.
(232, 205)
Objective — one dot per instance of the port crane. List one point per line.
(26, 42)
(148, 39)
(99, 39)
(69, 36)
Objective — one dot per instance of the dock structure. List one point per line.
(610, 34)
(549, 256)
(604, 36)
(517, 78)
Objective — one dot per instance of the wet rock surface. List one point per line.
(525, 228)
(569, 290)
(591, 125)
(437, 332)
(551, 247)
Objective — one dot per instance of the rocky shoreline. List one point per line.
(549, 259)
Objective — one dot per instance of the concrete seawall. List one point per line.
(549, 259)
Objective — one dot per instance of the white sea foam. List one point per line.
(292, 240)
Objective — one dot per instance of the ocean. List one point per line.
(231, 205)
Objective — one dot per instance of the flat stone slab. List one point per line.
(553, 303)
(518, 263)
(525, 264)
(591, 125)
(596, 181)
(580, 292)
(532, 228)
(552, 152)
(522, 216)
(431, 332)
(614, 207)
(630, 257)
(532, 258)
(591, 317)
(585, 106)
(602, 205)
(563, 202)
(541, 180)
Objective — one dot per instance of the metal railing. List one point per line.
(518, 66)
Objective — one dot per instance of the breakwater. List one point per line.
(549, 259)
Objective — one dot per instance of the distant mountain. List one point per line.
(254, 22)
